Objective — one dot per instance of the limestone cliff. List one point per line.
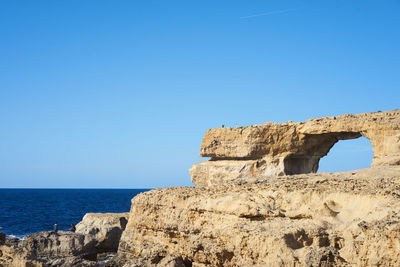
(292, 148)
(258, 202)
(249, 208)
(346, 219)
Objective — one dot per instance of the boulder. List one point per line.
(105, 228)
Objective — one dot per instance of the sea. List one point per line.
(27, 211)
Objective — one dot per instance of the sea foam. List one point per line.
(20, 237)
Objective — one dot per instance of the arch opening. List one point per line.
(347, 155)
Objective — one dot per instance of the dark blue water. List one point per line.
(26, 211)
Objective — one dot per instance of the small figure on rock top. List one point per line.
(56, 227)
(73, 228)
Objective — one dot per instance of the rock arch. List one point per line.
(292, 148)
(314, 148)
(347, 155)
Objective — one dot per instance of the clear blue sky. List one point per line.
(120, 93)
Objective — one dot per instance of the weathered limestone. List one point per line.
(292, 148)
(342, 219)
(49, 249)
(258, 202)
(106, 229)
(97, 233)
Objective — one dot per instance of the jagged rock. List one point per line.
(96, 233)
(106, 228)
(274, 149)
(50, 249)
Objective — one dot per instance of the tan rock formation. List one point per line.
(106, 229)
(258, 202)
(96, 233)
(49, 249)
(342, 219)
(292, 148)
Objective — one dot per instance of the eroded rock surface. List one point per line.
(49, 249)
(97, 234)
(290, 148)
(343, 219)
(106, 229)
(258, 201)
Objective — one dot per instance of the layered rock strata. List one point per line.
(292, 148)
(258, 201)
(343, 219)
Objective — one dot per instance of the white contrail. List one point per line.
(269, 13)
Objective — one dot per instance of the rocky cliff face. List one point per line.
(258, 202)
(346, 219)
(290, 148)
(249, 208)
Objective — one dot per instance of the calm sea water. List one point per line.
(26, 211)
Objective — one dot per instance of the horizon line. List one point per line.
(73, 188)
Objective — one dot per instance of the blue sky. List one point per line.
(120, 93)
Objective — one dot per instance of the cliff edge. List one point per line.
(259, 202)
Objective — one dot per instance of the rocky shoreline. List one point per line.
(96, 236)
(257, 202)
